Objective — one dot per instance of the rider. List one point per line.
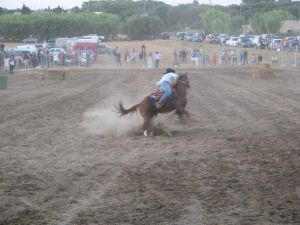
(166, 83)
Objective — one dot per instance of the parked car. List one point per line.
(256, 40)
(188, 37)
(103, 49)
(50, 45)
(30, 40)
(24, 49)
(223, 38)
(275, 44)
(99, 38)
(56, 51)
(180, 36)
(164, 36)
(211, 39)
(290, 42)
(245, 42)
(197, 38)
(232, 41)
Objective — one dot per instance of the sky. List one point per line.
(67, 4)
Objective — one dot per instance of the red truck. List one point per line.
(85, 44)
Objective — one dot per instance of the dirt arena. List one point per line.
(67, 158)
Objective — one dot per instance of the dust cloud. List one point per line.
(104, 120)
(107, 122)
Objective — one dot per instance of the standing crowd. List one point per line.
(197, 56)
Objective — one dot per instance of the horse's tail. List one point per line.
(129, 111)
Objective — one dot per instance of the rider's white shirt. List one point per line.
(171, 78)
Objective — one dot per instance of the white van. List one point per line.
(22, 49)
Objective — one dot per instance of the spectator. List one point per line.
(245, 61)
(182, 55)
(241, 57)
(195, 56)
(157, 59)
(133, 56)
(175, 59)
(150, 60)
(126, 56)
(115, 50)
(52, 60)
(12, 64)
(143, 53)
(88, 59)
(253, 59)
(214, 59)
(234, 57)
(34, 60)
(118, 57)
(259, 58)
(2, 55)
(26, 61)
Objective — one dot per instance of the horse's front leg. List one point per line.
(182, 111)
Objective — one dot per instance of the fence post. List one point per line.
(296, 52)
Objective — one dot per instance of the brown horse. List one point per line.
(177, 101)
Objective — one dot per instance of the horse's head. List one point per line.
(183, 78)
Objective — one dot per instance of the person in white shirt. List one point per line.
(157, 59)
(12, 64)
(165, 84)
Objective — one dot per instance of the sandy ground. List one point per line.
(67, 158)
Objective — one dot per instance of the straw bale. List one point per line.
(262, 70)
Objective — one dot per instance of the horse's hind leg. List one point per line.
(147, 115)
(147, 127)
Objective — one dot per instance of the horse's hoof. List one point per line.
(145, 133)
(148, 135)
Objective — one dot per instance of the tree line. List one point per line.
(145, 19)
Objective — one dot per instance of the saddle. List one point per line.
(156, 95)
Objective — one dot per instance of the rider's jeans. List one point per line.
(166, 88)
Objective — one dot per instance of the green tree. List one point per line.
(195, 3)
(25, 9)
(143, 27)
(58, 9)
(216, 21)
(16, 27)
(236, 24)
(162, 12)
(75, 9)
(269, 22)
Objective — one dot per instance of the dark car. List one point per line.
(164, 36)
(180, 36)
(104, 49)
(197, 38)
(245, 42)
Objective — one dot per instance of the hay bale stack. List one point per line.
(262, 70)
(57, 74)
(36, 76)
(51, 74)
